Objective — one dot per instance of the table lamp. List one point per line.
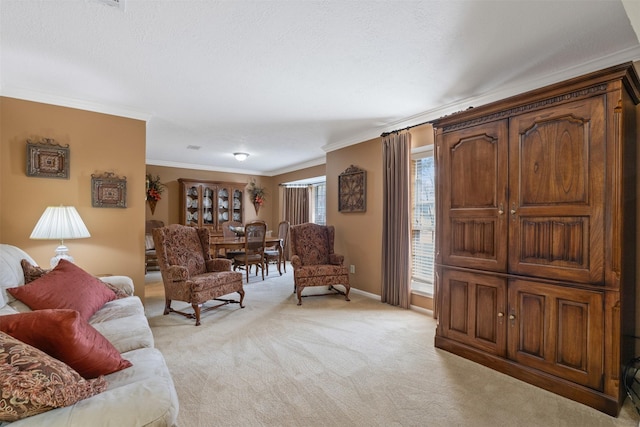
(59, 223)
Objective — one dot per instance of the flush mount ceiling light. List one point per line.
(241, 157)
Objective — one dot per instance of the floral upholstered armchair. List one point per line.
(313, 260)
(190, 273)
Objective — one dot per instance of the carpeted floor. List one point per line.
(336, 363)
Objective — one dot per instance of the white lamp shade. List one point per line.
(59, 223)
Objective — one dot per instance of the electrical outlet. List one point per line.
(352, 269)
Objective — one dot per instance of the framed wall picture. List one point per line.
(47, 159)
(352, 190)
(108, 191)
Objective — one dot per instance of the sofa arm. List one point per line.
(123, 282)
(296, 262)
(336, 259)
(219, 264)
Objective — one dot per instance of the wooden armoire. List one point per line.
(536, 235)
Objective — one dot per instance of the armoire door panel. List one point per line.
(473, 238)
(558, 330)
(553, 158)
(556, 186)
(473, 310)
(555, 241)
(473, 188)
(531, 332)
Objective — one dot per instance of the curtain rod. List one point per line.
(299, 185)
(383, 134)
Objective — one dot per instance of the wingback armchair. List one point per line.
(313, 260)
(190, 274)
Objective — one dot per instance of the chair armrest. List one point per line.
(296, 262)
(219, 264)
(336, 259)
(177, 273)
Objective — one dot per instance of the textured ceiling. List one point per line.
(287, 81)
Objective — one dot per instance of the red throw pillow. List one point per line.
(66, 286)
(64, 335)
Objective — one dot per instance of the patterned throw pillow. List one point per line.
(63, 334)
(66, 286)
(118, 291)
(32, 272)
(33, 382)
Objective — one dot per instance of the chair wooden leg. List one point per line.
(196, 310)
(299, 292)
(241, 292)
(167, 306)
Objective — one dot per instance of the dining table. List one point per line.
(217, 244)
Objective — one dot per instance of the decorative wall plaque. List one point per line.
(47, 159)
(352, 190)
(108, 191)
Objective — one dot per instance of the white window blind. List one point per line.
(320, 203)
(423, 223)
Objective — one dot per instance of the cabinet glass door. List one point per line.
(192, 201)
(237, 205)
(208, 193)
(224, 203)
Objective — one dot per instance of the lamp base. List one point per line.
(61, 253)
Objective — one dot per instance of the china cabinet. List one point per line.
(210, 204)
(536, 244)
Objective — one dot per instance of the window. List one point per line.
(423, 222)
(319, 197)
(316, 197)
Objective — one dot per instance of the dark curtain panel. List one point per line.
(396, 220)
(296, 207)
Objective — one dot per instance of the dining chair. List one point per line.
(228, 234)
(255, 234)
(277, 253)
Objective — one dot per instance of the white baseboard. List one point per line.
(378, 298)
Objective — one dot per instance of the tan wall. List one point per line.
(358, 234)
(97, 143)
(116, 246)
(168, 208)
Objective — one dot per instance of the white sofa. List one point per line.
(141, 395)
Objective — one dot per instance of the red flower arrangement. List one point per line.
(154, 188)
(258, 195)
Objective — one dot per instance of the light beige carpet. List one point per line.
(336, 363)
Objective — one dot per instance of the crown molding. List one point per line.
(293, 168)
(202, 167)
(61, 101)
(298, 166)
